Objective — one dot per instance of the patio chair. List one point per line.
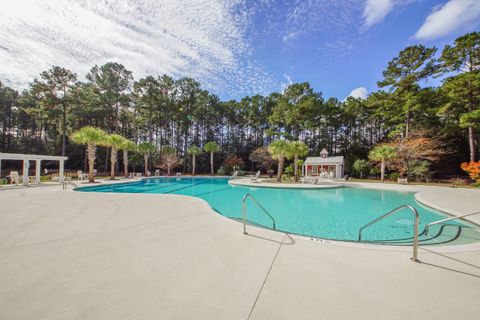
(80, 175)
(14, 177)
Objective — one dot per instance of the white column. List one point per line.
(26, 166)
(37, 171)
(61, 176)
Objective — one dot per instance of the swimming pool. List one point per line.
(335, 214)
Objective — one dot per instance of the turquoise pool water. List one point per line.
(323, 213)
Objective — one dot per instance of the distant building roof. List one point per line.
(320, 160)
(324, 151)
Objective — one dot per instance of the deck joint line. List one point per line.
(266, 277)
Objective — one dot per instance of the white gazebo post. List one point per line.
(61, 176)
(37, 171)
(26, 166)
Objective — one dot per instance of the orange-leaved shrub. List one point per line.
(473, 170)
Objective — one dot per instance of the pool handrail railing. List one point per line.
(448, 219)
(244, 208)
(415, 227)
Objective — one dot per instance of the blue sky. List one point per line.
(233, 47)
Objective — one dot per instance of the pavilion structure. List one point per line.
(26, 158)
(323, 166)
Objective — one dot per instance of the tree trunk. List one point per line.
(295, 169)
(472, 144)
(280, 169)
(113, 161)
(193, 165)
(211, 162)
(91, 162)
(64, 132)
(107, 156)
(145, 157)
(407, 124)
(125, 163)
(168, 169)
(382, 171)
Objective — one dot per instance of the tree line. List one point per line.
(179, 114)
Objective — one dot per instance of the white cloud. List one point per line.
(204, 39)
(360, 92)
(285, 85)
(374, 11)
(454, 16)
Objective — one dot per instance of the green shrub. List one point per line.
(289, 171)
(361, 168)
(221, 171)
(420, 170)
(393, 176)
(375, 171)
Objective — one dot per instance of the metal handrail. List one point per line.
(415, 227)
(448, 219)
(244, 199)
(70, 182)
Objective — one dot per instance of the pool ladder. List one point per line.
(244, 207)
(69, 182)
(415, 227)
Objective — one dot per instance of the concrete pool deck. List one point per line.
(68, 255)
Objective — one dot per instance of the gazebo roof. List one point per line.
(21, 156)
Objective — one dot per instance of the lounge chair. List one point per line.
(255, 177)
(80, 175)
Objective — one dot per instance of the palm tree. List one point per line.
(194, 151)
(211, 147)
(146, 149)
(169, 156)
(127, 145)
(382, 153)
(114, 141)
(295, 150)
(279, 150)
(91, 137)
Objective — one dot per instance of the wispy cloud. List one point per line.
(307, 17)
(453, 17)
(205, 39)
(360, 92)
(374, 11)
